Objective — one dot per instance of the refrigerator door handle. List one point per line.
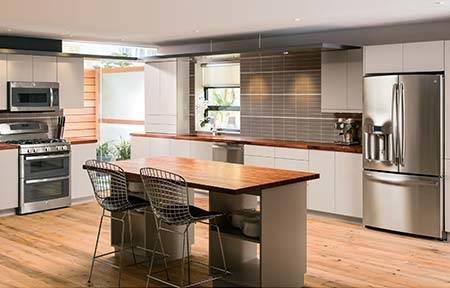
(402, 125)
(418, 180)
(394, 117)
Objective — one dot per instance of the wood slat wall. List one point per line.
(83, 123)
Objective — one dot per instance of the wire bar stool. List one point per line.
(111, 192)
(169, 199)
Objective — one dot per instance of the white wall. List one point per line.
(123, 95)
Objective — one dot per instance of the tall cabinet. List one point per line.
(3, 81)
(167, 96)
(71, 82)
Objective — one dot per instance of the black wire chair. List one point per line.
(169, 198)
(111, 192)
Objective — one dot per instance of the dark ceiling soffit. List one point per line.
(60, 54)
(243, 46)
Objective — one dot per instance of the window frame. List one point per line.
(219, 107)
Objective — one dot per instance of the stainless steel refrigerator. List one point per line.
(403, 153)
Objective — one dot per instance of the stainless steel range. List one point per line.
(44, 166)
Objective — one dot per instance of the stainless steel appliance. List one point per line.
(403, 151)
(231, 153)
(33, 96)
(44, 166)
(348, 131)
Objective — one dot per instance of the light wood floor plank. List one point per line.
(53, 249)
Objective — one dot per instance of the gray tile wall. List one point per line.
(280, 98)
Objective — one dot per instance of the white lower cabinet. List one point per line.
(201, 150)
(321, 191)
(153, 147)
(9, 179)
(80, 183)
(140, 147)
(159, 147)
(291, 164)
(268, 162)
(348, 184)
(179, 148)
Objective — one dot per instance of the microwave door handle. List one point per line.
(51, 97)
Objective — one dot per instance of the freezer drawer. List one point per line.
(403, 203)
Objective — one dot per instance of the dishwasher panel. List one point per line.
(231, 153)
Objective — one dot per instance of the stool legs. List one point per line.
(125, 218)
(96, 245)
(188, 254)
(130, 228)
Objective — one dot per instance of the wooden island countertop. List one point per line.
(218, 176)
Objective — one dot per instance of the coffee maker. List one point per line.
(348, 131)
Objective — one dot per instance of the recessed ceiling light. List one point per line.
(196, 31)
(297, 19)
(439, 2)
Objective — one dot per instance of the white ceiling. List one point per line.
(152, 21)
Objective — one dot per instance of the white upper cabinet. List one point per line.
(166, 96)
(342, 73)
(354, 79)
(19, 67)
(334, 80)
(447, 103)
(44, 69)
(406, 57)
(383, 59)
(423, 56)
(71, 82)
(3, 79)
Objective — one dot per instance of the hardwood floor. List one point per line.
(53, 249)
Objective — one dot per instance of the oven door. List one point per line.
(36, 98)
(44, 194)
(45, 166)
(45, 189)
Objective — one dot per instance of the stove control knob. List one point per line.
(64, 147)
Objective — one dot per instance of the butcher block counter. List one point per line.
(231, 139)
(278, 257)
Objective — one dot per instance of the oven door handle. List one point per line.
(47, 157)
(34, 181)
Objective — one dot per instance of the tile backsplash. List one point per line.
(280, 98)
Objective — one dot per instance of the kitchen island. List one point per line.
(278, 257)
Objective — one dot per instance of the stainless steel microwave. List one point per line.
(33, 96)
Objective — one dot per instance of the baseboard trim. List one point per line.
(82, 200)
(331, 215)
(7, 212)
